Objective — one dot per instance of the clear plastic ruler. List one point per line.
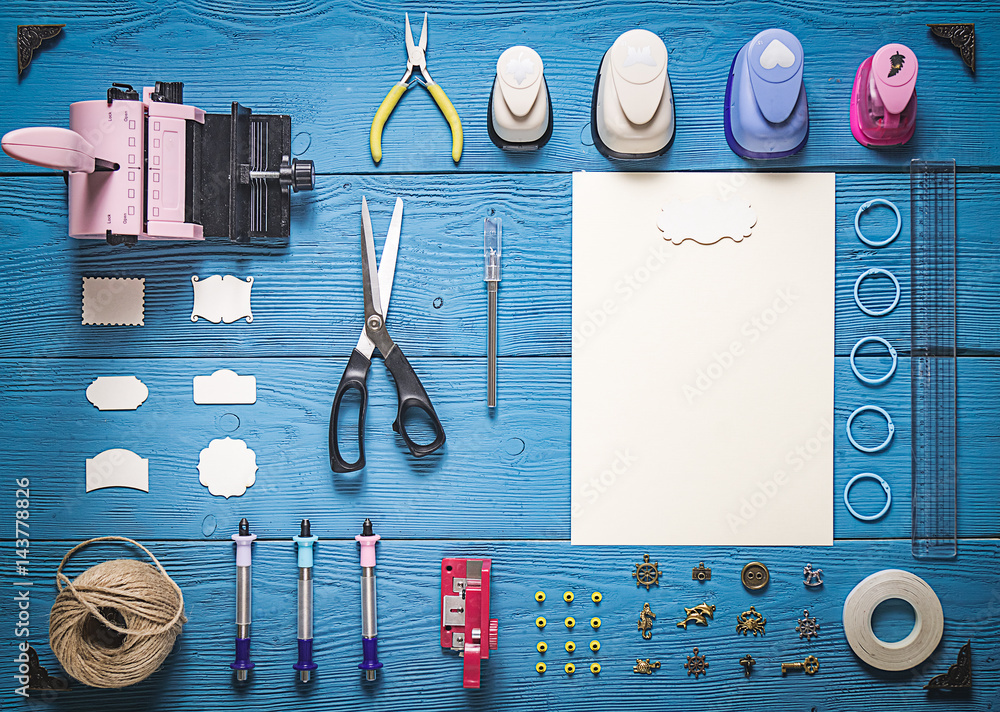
(933, 359)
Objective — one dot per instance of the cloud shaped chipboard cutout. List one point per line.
(706, 220)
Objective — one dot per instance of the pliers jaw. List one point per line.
(416, 56)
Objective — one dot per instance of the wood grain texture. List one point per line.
(418, 674)
(500, 488)
(500, 476)
(307, 292)
(329, 64)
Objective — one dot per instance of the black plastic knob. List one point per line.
(168, 92)
(300, 175)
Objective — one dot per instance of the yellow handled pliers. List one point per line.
(416, 59)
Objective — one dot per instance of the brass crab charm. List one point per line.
(750, 622)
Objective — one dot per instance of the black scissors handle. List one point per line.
(355, 378)
(411, 395)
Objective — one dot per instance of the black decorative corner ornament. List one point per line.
(39, 678)
(959, 675)
(30, 38)
(963, 37)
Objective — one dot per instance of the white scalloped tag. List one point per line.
(227, 467)
(117, 467)
(117, 393)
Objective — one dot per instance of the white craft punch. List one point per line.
(520, 110)
(632, 112)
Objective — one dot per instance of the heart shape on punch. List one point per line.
(777, 54)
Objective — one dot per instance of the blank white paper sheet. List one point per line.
(703, 359)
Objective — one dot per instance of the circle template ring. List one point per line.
(873, 272)
(885, 487)
(888, 421)
(857, 222)
(881, 379)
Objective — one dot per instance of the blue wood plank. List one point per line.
(503, 475)
(330, 63)
(418, 674)
(307, 293)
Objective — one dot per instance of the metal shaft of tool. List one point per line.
(305, 611)
(491, 347)
(369, 613)
(242, 609)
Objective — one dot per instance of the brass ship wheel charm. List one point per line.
(647, 574)
(750, 622)
(807, 628)
(696, 665)
(646, 618)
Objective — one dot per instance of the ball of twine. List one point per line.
(114, 624)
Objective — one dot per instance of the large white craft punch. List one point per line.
(632, 112)
(520, 110)
(227, 467)
(222, 298)
(117, 393)
(117, 468)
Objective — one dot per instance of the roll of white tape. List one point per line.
(928, 625)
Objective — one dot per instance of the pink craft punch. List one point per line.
(155, 168)
(884, 98)
(466, 626)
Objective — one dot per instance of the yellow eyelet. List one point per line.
(540, 622)
(570, 668)
(570, 622)
(568, 597)
(595, 645)
(540, 667)
(541, 647)
(570, 646)
(595, 622)
(595, 668)
(539, 596)
(596, 597)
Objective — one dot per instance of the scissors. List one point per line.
(410, 393)
(416, 58)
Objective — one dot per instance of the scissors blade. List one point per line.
(386, 270)
(369, 268)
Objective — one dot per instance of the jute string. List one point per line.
(149, 603)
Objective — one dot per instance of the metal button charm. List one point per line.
(755, 575)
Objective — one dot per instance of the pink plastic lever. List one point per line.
(51, 147)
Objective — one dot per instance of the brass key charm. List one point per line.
(810, 665)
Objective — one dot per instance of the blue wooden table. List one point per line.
(501, 487)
